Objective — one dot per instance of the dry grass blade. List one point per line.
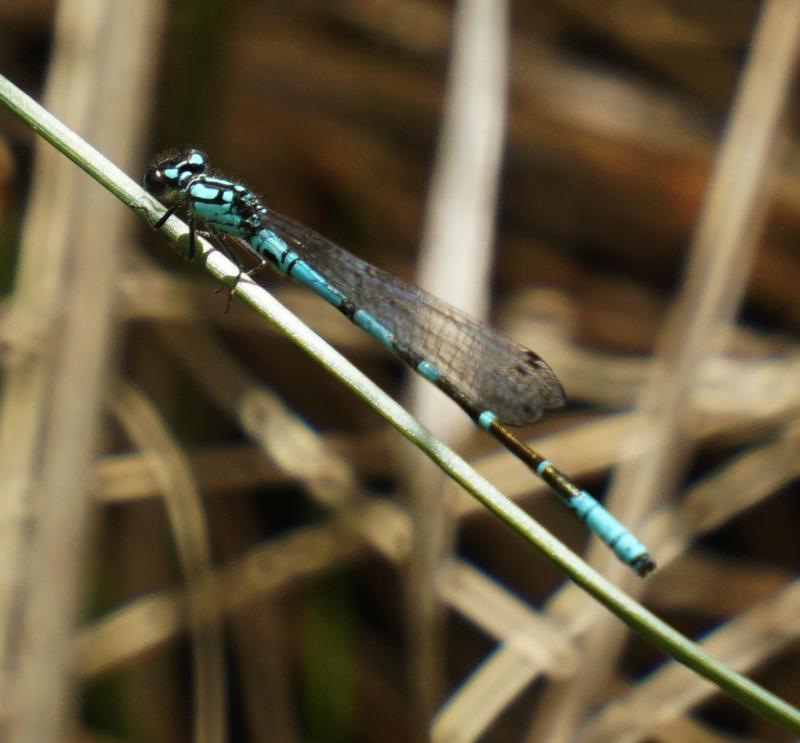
(52, 402)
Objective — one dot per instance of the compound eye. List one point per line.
(155, 181)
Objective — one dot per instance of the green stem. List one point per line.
(748, 693)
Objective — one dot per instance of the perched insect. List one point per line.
(496, 380)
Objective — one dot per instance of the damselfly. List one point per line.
(496, 380)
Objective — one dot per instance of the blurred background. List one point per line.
(205, 537)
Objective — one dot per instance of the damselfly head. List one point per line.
(168, 174)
